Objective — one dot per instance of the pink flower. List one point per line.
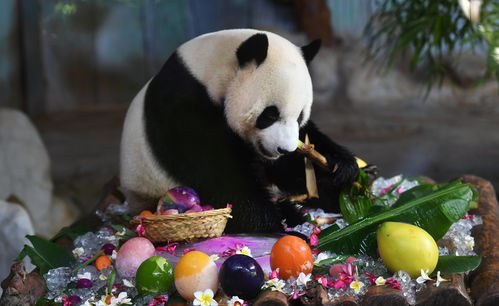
(336, 269)
(317, 231)
(393, 283)
(158, 301)
(229, 205)
(188, 250)
(385, 190)
(468, 217)
(169, 248)
(288, 229)
(274, 274)
(316, 252)
(348, 269)
(339, 284)
(400, 190)
(323, 281)
(350, 260)
(314, 240)
(140, 229)
(296, 294)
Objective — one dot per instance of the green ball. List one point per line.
(154, 275)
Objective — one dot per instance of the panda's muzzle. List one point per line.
(266, 154)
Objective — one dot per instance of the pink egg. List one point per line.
(131, 254)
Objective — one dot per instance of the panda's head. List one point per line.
(271, 95)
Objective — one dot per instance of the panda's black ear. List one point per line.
(253, 49)
(310, 51)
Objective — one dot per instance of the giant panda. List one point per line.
(223, 116)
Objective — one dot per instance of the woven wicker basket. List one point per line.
(166, 228)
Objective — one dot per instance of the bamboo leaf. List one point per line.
(456, 264)
(435, 212)
(45, 255)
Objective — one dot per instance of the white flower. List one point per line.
(86, 275)
(121, 233)
(440, 279)
(380, 281)
(303, 279)
(235, 301)
(356, 286)
(245, 251)
(204, 298)
(78, 252)
(214, 257)
(121, 299)
(278, 286)
(113, 256)
(469, 242)
(424, 277)
(321, 256)
(270, 283)
(128, 283)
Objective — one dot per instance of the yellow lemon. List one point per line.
(406, 247)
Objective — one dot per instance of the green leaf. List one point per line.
(434, 212)
(72, 232)
(110, 281)
(45, 255)
(456, 264)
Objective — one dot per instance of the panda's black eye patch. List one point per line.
(269, 115)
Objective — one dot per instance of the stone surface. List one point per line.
(15, 224)
(25, 173)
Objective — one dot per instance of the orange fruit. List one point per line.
(291, 255)
(146, 213)
(102, 262)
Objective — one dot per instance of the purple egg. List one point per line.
(241, 275)
(84, 283)
(183, 195)
(181, 208)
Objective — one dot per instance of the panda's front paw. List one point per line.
(344, 170)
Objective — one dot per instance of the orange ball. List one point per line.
(146, 213)
(102, 262)
(291, 255)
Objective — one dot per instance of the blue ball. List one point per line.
(241, 275)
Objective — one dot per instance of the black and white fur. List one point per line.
(223, 116)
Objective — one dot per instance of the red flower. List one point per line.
(158, 301)
(393, 283)
(372, 278)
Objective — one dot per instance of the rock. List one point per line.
(25, 173)
(15, 224)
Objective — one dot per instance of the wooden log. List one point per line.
(383, 295)
(22, 288)
(452, 292)
(484, 282)
(271, 298)
(318, 296)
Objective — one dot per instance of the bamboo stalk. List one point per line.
(316, 157)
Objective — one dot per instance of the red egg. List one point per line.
(291, 255)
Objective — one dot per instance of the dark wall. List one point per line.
(62, 54)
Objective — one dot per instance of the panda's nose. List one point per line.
(282, 151)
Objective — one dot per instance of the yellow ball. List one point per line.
(406, 247)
